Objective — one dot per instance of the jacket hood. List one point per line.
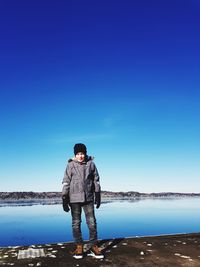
(87, 158)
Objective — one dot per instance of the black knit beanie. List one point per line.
(80, 148)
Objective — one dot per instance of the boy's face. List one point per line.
(80, 156)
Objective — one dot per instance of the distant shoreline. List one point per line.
(107, 196)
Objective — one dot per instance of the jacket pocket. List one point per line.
(76, 187)
(90, 186)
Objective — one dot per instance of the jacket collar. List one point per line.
(87, 158)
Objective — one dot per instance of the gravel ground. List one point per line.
(170, 250)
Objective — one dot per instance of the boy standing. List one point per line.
(81, 190)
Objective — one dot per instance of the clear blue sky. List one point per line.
(123, 77)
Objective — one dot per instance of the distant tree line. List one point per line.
(105, 194)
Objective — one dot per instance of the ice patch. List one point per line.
(30, 253)
(182, 256)
(52, 256)
(185, 257)
(177, 254)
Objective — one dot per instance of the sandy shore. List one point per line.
(170, 250)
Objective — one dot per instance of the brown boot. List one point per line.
(96, 252)
(78, 253)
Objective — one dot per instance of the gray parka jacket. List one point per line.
(81, 180)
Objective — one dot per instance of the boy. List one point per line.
(81, 189)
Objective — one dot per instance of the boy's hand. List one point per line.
(65, 202)
(97, 199)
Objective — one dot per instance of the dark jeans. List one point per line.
(76, 209)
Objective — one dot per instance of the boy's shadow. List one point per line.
(108, 244)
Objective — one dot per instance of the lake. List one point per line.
(42, 224)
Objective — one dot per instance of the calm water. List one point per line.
(40, 224)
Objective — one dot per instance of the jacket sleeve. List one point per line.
(66, 181)
(96, 179)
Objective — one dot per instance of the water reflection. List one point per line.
(45, 222)
(26, 202)
(20, 203)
